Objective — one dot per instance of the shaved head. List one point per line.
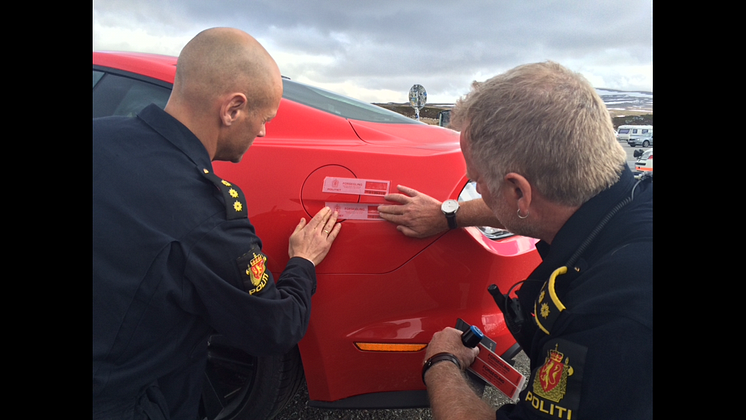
(226, 88)
(222, 60)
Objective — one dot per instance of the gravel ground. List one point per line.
(298, 407)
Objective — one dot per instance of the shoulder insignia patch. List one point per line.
(551, 380)
(547, 305)
(253, 268)
(235, 201)
(555, 387)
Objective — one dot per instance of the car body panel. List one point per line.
(161, 67)
(345, 371)
(375, 285)
(295, 191)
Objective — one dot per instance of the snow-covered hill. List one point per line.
(620, 100)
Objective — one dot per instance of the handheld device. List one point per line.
(471, 337)
(488, 366)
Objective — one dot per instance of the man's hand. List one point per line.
(417, 215)
(451, 397)
(449, 341)
(312, 241)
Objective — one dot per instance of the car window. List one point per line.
(340, 105)
(97, 75)
(115, 94)
(120, 94)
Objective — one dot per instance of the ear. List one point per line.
(231, 108)
(518, 191)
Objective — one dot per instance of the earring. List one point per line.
(519, 214)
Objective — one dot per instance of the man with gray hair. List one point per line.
(539, 143)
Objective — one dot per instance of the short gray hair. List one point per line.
(546, 123)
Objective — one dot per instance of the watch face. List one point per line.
(449, 206)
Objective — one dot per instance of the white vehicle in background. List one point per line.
(629, 133)
(646, 141)
(644, 161)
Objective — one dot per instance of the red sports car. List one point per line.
(381, 295)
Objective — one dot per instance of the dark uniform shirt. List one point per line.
(175, 259)
(591, 350)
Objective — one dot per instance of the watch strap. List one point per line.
(437, 358)
(451, 218)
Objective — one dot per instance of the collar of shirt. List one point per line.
(580, 225)
(176, 133)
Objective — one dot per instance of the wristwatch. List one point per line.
(449, 208)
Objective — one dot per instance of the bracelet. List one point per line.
(437, 358)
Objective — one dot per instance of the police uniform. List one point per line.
(589, 326)
(175, 259)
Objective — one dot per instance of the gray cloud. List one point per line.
(388, 45)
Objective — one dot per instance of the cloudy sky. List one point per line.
(375, 50)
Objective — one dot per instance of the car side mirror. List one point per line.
(638, 153)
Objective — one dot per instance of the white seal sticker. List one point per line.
(356, 211)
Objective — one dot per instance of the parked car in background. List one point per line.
(645, 141)
(380, 295)
(644, 161)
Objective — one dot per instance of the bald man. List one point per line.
(175, 257)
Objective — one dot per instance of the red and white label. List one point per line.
(355, 211)
(355, 186)
(498, 373)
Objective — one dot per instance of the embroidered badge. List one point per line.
(256, 269)
(551, 382)
(252, 266)
(555, 386)
(544, 310)
(257, 273)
